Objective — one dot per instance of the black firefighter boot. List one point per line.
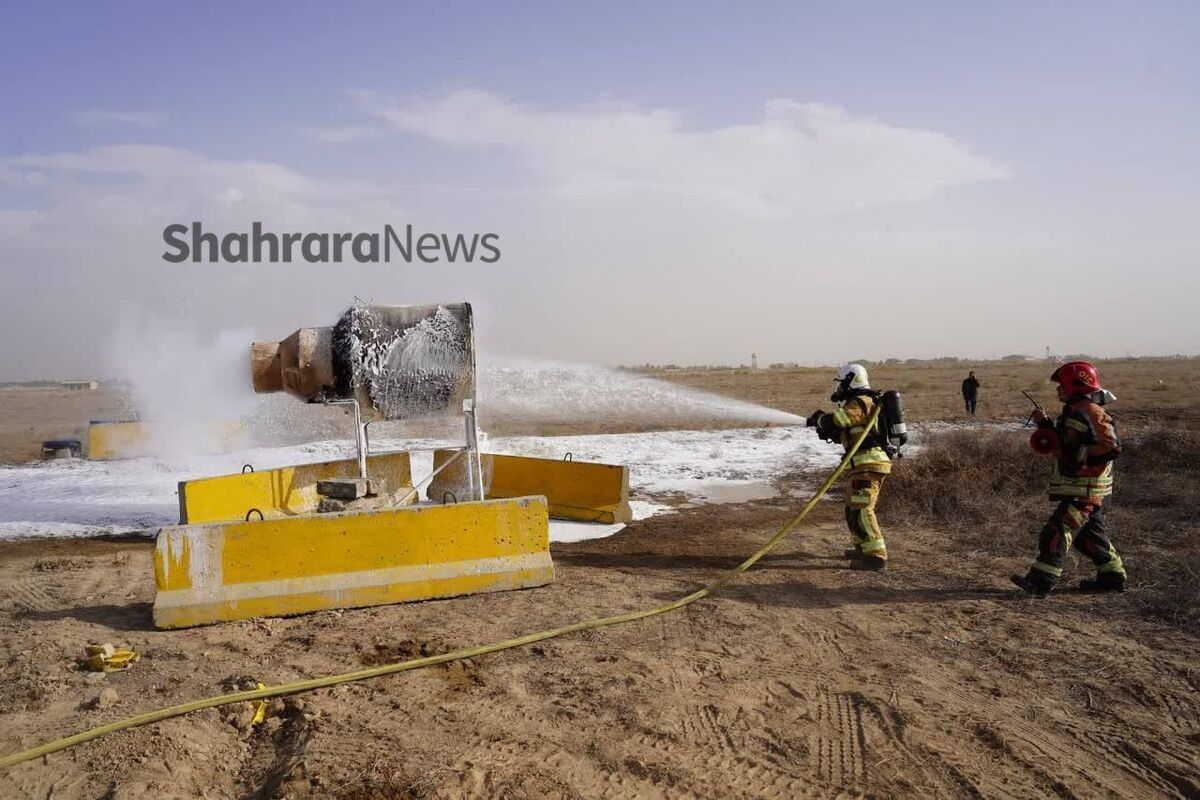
(1104, 582)
(1035, 582)
(869, 563)
(852, 553)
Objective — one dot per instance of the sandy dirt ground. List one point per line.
(29, 417)
(802, 680)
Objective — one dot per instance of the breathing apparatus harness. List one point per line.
(890, 433)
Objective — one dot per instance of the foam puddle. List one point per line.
(736, 491)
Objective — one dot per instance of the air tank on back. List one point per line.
(398, 362)
(895, 430)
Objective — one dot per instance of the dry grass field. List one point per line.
(1150, 390)
(802, 679)
(986, 489)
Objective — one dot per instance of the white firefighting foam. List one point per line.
(72, 498)
(549, 391)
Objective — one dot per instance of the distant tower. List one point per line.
(1047, 352)
(754, 361)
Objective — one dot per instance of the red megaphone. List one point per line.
(1044, 441)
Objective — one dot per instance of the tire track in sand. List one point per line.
(839, 743)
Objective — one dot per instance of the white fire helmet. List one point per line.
(850, 376)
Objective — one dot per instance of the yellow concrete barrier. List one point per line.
(107, 441)
(578, 490)
(287, 491)
(112, 440)
(294, 565)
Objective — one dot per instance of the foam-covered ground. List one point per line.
(80, 498)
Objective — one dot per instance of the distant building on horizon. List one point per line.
(79, 386)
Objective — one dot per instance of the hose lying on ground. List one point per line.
(455, 655)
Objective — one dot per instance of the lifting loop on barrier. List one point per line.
(247, 468)
(254, 511)
(449, 494)
(569, 456)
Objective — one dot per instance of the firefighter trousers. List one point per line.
(1080, 524)
(862, 493)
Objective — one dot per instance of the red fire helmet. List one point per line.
(1077, 378)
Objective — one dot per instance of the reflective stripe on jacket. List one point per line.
(1063, 486)
(849, 420)
(1089, 445)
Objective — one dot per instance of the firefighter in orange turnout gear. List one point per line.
(1085, 444)
(867, 470)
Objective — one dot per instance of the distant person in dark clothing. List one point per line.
(970, 391)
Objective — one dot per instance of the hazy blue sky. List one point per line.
(670, 182)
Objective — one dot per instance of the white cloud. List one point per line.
(645, 261)
(342, 134)
(135, 119)
(86, 239)
(135, 183)
(17, 221)
(799, 159)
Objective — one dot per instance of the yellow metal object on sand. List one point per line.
(260, 707)
(106, 658)
(287, 491)
(577, 490)
(293, 565)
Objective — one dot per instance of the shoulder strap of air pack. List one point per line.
(876, 438)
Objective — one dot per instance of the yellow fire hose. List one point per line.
(455, 655)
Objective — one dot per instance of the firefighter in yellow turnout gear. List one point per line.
(870, 465)
(1084, 443)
